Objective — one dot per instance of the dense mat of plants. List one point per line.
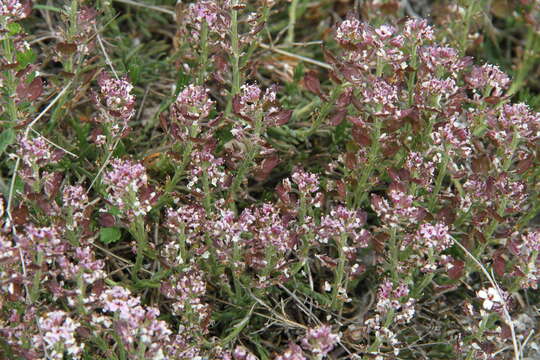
(232, 179)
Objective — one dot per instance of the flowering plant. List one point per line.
(206, 181)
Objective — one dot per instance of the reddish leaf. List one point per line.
(447, 215)
(35, 89)
(84, 332)
(30, 91)
(487, 347)
(266, 167)
(506, 333)
(52, 184)
(27, 8)
(344, 99)
(329, 57)
(66, 48)
(311, 83)
(390, 149)
(20, 215)
(359, 135)
(394, 125)
(341, 189)
(524, 165)
(350, 160)
(282, 117)
(499, 265)
(456, 271)
(164, 122)
(378, 241)
(257, 28)
(236, 104)
(106, 220)
(493, 100)
(493, 213)
(338, 117)
(327, 261)
(481, 164)
(9, 66)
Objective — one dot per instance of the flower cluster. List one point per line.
(117, 106)
(293, 352)
(400, 210)
(117, 96)
(342, 221)
(205, 165)
(320, 341)
(208, 13)
(186, 289)
(188, 112)
(137, 326)
(36, 152)
(75, 200)
(395, 300)
(13, 10)
(59, 332)
(128, 188)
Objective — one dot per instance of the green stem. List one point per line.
(292, 21)
(527, 62)
(438, 182)
(246, 163)
(361, 191)
(203, 58)
(207, 193)
(394, 256)
(139, 234)
(10, 85)
(324, 111)
(36, 281)
(466, 25)
(235, 59)
(340, 272)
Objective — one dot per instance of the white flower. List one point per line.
(491, 297)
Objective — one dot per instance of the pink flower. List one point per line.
(434, 236)
(59, 332)
(12, 10)
(293, 352)
(418, 30)
(117, 96)
(125, 181)
(320, 340)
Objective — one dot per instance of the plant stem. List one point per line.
(340, 272)
(203, 57)
(361, 191)
(235, 60)
(324, 111)
(10, 87)
(139, 234)
(438, 182)
(292, 21)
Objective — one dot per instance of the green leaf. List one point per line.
(7, 137)
(48, 7)
(26, 58)
(14, 28)
(109, 235)
(237, 328)
(298, 73)
(134, 70)
(182, 81)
